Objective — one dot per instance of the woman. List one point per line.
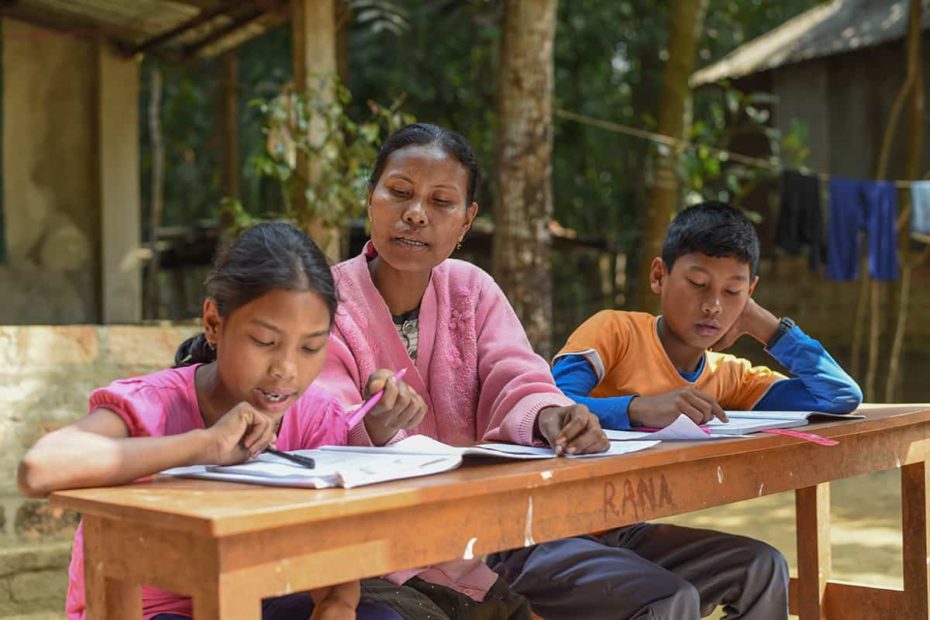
(471, 373)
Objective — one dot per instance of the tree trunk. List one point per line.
(524, 149)
(685, 21)
(914, 156)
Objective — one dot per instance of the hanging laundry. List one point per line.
(857, 207)
(800, 217)
(920, 207)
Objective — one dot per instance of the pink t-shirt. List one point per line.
(165, 403)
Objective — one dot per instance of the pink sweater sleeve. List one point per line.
(515, 382)
(341, 378)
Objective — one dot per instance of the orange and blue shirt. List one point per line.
(615, 356)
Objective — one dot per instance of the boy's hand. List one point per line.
(661, 410)
(336, 602)
(400, 407)
(572, 430)
(241, 433)
(755, 321)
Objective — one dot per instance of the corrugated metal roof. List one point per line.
(169, 27)
(833, 28)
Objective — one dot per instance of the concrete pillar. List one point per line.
(120, 208)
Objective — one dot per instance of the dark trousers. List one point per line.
(649, 571)
(300, 606)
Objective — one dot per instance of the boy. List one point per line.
(633, 369)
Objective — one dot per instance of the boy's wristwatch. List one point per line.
(784, 326)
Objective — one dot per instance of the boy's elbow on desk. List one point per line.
(846, 400)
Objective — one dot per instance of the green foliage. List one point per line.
(190, 141)
(732, 116)
(314, 126)
(443, 55)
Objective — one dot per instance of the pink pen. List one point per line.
(359, 414)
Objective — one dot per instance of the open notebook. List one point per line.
(353, 466)
(741, 423)
(746, 422)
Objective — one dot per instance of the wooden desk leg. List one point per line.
(915, 538)
(812, 506)
(106, 598)
(223, 599)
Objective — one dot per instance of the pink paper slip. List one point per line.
(811, 437)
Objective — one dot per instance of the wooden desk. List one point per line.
(229, 545)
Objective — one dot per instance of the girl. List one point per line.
(471, 373)
(240, 386)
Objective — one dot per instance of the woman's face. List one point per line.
(418, 208)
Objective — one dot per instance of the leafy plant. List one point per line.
(710, 174)
(318, 154)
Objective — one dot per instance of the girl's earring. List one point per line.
(212, 346)
(459, 245)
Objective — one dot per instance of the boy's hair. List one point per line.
(266, 257)
(426, 134)
(713, 228)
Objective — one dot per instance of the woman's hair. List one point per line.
(264, 258)
(425, 134)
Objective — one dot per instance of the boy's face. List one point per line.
(702, 296)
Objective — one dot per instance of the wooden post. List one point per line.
(118, 173)
(313, 24)
(106, 597)
(229, 111)
(915, 540)
(812, 506)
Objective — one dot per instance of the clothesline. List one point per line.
(672, 142)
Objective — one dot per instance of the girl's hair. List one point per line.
(425, 134)
(264, 258)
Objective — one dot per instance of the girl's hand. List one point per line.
(336, 602)
(241, 433)
(572, 430)
(400, 407)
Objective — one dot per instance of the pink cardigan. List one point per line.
(475, 369)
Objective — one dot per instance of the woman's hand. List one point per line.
(336, 602)
(400, 407)
(572, 430)
(242, 433)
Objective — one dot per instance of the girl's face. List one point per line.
(269, 350)
(418, 208)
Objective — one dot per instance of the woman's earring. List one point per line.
(459, 245)
(212, 346)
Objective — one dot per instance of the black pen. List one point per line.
(303, 461)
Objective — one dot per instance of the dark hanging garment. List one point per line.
(800, 217)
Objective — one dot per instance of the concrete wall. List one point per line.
(50, 191)
(70, 171)
(46, 374)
